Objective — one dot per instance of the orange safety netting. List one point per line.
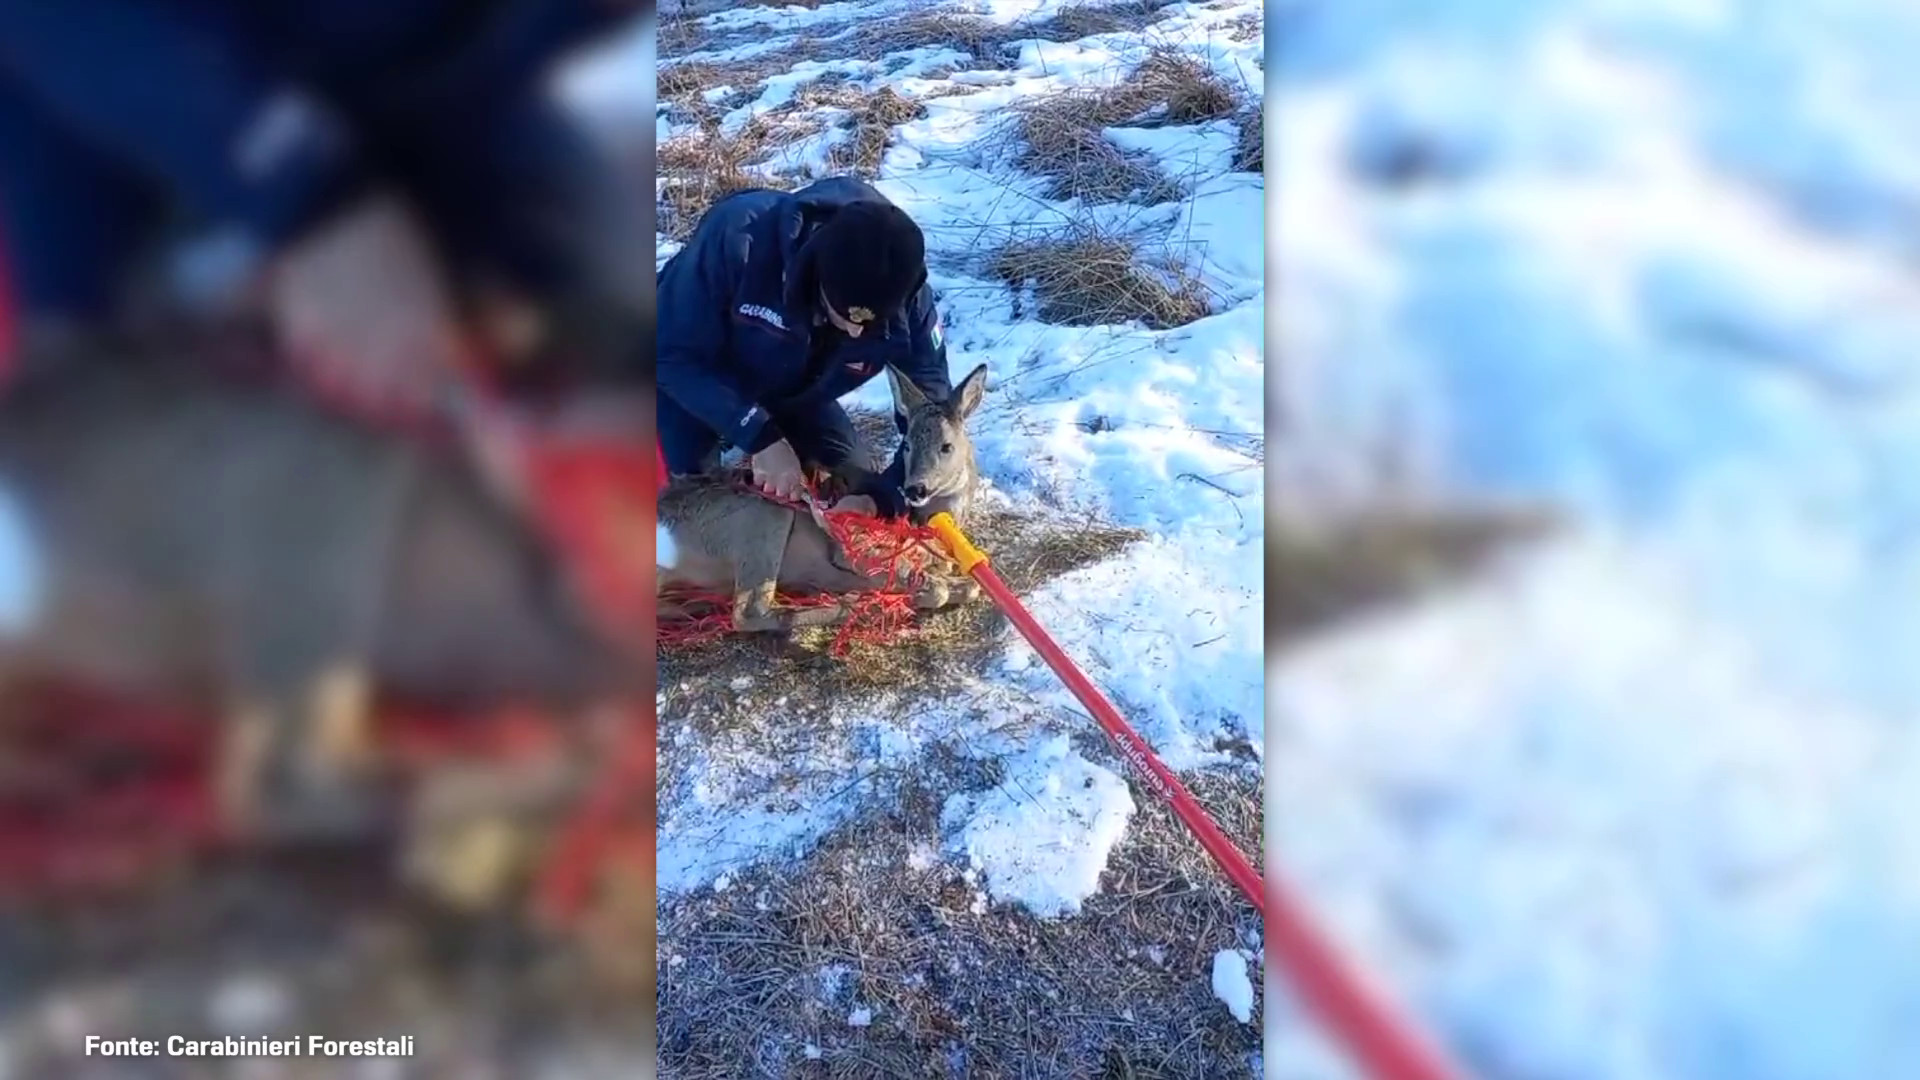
(895, 553)
(100, 791)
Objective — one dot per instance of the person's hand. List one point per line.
(776, 471)
(888, 502)
(362, 305)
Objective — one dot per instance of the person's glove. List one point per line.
(776, 471)
(888, 487)
(863, 491)
(888, 500)
(362, 305)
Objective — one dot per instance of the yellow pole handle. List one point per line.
(963, 550)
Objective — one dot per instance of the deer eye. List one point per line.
(946, 448)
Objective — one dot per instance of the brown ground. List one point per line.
(314, 945)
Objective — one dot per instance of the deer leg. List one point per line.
(757, 580)
(339, 731)
(472, 863)
(932, 595)
(241, 766)
(754, 613)
(940, 590)
(473, 829)
(966, 591)
(298, 762)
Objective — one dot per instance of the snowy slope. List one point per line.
(1642, 807)
(1171, 628)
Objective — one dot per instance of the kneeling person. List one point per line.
(779, 305)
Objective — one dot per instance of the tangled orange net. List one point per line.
(895, 553)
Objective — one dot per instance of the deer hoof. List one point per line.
(932, 596)
(471, 866)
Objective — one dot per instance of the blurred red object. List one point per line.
(101, 793)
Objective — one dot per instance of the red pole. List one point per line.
(1146, 764)
(570, 481)
(1385, 1046)
(567, 877)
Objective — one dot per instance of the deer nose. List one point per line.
(916, 491)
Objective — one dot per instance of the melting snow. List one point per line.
(1231, 985)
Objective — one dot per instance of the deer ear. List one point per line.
(906, 396)
(966, 396)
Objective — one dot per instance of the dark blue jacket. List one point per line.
(737, 332)
(260, 114)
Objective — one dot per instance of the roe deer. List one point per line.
(942, 472)
(716, 535)
(231, 549)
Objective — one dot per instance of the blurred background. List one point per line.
(1594, 331)
(171, 173)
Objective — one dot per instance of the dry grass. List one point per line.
(955, 986)
(986, 40)
(1063, 136)
(707, 168)
(1247, 27)
(1250, 155)
(700, 170)
(683, 84)
(980, 38)
(1091, 278)
(1320, 576)
(1062, 139)
(1188, 90)
(871, 117)
(1075, 21)
(680, 35)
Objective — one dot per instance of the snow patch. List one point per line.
(612, 84)
(22, 569)
(1231, 985)
(1176, 643)
(1183, 151)
(1041, 838)
(666, 554)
